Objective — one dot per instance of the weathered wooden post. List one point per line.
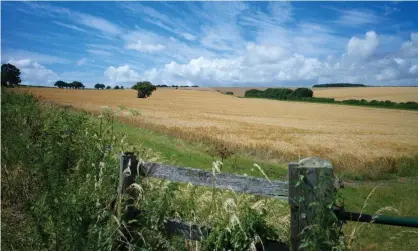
(127, 174)
(310, 186)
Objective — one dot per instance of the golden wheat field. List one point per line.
(356, 139)
(395, 94)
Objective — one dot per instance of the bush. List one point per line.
(229, 93)
(303, 93)
(253, 93)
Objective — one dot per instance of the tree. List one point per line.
(60, 84)
(116, 87)
(99, 86)
(108, 87)
(121, 87)
(77, 85)
(144, 89)
(10, 75)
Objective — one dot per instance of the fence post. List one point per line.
(310, 180)
(127, 174)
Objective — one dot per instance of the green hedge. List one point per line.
(280, 93)
(305, 94)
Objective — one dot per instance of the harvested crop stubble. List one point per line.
(357, 140)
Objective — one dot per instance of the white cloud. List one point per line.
(121, 74)
(34, 73)
(410, 48)
(97, 23)
(188, 36)
(70, 26)
(82, 61)
(357, 17)
(363, 48)
(273, 65)
(99, 52)
(414, 70)
(38, 57)
(143, 47)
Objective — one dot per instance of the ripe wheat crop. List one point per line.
(358, 140)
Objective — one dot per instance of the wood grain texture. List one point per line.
(236, 183)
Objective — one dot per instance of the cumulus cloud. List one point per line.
(121, 74)
(363, 48)
(34, 73)
(272, 65)
(410, 48)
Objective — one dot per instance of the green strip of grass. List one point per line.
(179, 152)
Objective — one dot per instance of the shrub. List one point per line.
(303, 93)
(229, 93)
(253, 93)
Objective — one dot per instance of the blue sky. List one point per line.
(212, 43)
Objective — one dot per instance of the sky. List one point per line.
(212, 43)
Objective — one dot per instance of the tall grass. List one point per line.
(59, 183)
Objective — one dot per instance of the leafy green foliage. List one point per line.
(73, 85)
(144, 89)
(99, 86)
(280, 93)
(10, 75)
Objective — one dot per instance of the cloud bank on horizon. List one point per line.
(212, 43)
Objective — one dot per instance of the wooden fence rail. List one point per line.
(312, 173)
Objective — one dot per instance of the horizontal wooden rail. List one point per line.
(234, 182)
(194, 232)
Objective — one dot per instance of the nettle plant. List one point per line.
(323, 230)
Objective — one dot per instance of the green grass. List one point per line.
(181, 153)
(390, 199)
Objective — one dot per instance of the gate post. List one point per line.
(310, 181)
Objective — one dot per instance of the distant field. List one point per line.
(358, 140)
(395, 94)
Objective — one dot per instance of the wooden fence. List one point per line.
(311, 172)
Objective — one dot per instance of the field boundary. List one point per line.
(311, 184)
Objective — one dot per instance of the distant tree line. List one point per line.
(102, 86)
(280, 93)
(72, 85)
(339, 85)
(305, 94)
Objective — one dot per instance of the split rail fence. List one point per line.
(311, 172)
